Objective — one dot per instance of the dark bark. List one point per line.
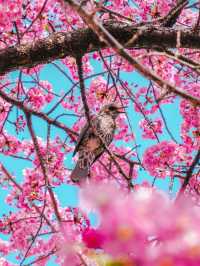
(174, 13)
(62, 44)
(190, 171)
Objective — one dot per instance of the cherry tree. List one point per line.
(139, 54)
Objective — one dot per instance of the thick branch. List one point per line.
(79, 42)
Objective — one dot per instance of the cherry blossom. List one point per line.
(62, 61)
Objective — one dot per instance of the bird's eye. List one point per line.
(111, 108)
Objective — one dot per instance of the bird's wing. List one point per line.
(81, 137)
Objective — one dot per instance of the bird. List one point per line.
(94, 137)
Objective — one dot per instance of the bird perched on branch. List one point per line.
(93, 139)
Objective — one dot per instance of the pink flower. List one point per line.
(151, 128)
(40, 95)
(159, 158)
(93, 238)
(144, 220)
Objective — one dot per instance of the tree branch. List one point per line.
(81, 41)
(174, 13)
(43, 168)
(41, 115)
(82, 88)
(189, 174)
(10, 178)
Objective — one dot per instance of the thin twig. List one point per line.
(82, 88)
(42, 165)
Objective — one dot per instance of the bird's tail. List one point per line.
(79, 174)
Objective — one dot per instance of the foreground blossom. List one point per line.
(142, 228)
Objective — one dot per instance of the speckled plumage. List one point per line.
(93, 139)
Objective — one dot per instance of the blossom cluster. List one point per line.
(141, 228)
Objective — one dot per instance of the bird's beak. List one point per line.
(121, 109)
